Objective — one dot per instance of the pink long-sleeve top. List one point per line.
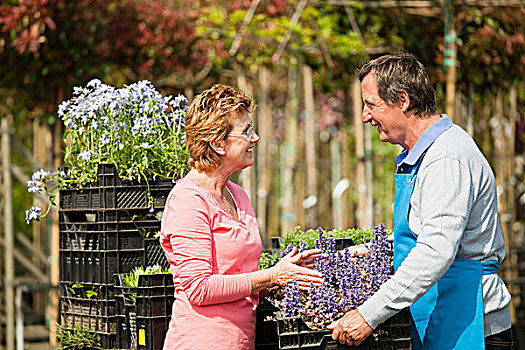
(210, 253)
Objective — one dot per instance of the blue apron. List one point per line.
(450, 314)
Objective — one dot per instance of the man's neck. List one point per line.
(419, 125)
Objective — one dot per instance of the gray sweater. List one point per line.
(454, 214)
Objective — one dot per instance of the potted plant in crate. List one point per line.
(77, 337)
(135, 128)
(349, 280)
(119, 145)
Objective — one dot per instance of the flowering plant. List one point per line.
(309, 237)
(134, 127)
(349, 280)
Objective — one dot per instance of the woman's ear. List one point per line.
(218, 147)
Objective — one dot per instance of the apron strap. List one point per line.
(415, 168)
(490, 267)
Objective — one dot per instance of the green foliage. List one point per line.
(268, 260)
(77, 337)
(79, 291)
(320, 31)
(357, 236)
(132, 279)
(135, 128)
(491, 46)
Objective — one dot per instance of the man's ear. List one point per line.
(404, 100)
(218, 147)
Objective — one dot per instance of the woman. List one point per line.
(210, 235)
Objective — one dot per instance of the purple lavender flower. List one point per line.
(291, 300)
(348, 280)
(302, 246)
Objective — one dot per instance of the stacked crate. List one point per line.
(126, 314)
(393, 334)
(153, 307)
(106, 228)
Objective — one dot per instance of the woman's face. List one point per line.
(240, 143)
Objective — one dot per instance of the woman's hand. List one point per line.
(358, 250)
(297, 268)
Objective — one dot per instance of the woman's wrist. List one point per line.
(262, 279)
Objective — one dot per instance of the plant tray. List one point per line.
(100, 266)
(90, 307)
(392, 334)
(99, 324)
(121, 220)
(110, 192)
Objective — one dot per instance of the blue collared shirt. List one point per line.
(406, 160)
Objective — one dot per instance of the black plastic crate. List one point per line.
(154, 305)
(109, 191)
(107, 341)
(266, 337)
(145, 324)
(154, 255)
(126, 331)
(80, 198)
(100, 266)
(276, 243)
(151, 332)
(156, 280)
(107, 240)
(155, 295)
(126, 312)
(392, 334)
(99, 324)
(87, 290)
(94, 241)
(90, 307)
(341, 243)
(97, 266)
(101, 220)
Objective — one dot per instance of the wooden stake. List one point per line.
(54, 270)
(288, 151)
(360, 154)
(9, 273)
(264, 116)
(247, 176)
(310, 144)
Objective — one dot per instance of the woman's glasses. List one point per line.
(248, 132)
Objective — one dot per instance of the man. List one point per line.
(447, 240)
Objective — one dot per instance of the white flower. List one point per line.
(85, 155)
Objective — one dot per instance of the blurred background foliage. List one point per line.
(183, 46)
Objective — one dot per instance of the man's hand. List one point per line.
(351, 329)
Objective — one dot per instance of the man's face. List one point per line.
(389, 120)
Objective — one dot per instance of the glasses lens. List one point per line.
(249, 132)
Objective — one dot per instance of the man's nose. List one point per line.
(366, 116)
